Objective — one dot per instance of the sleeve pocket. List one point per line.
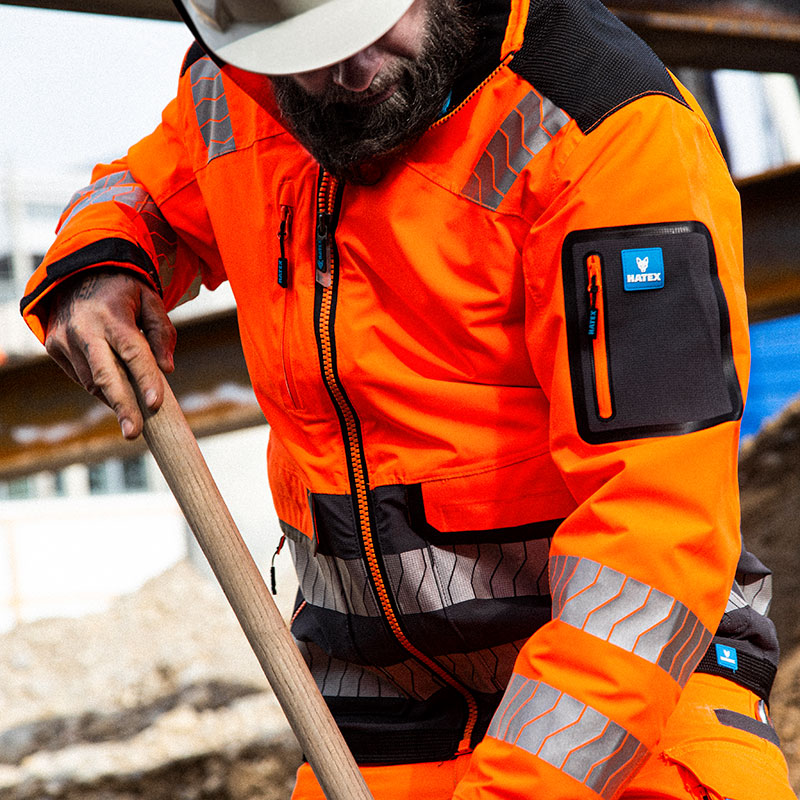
(648, 332)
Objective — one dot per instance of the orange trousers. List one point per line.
(699, 758)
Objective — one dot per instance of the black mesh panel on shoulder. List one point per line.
(579, 55)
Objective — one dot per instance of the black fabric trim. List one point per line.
(398, 731)
(587, 62)
(516, 533)
(195, 53)
(492, 19)
(733, 719)
(753, 673)
(112, 251)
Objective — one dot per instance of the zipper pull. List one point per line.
(593, 268)
(323, 226)
(272, 579)
(283, 232)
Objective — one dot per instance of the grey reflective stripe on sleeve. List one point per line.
(629, 614)
(523, 134)
(211, 108)
(120, 187)
(568, 734)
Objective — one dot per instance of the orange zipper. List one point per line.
(596, 330)
(325, 269)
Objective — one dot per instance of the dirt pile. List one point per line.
(769, 475)
(160, 697)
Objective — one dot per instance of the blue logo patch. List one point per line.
(727, 656)
(643, 269)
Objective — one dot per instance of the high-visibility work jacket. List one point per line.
(503, 384)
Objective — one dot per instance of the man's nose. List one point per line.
(357, 72)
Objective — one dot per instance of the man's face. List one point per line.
(353, 113)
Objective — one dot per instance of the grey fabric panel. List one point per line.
(744, 723)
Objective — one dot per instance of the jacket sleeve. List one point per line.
(637, 331)
(144, 213)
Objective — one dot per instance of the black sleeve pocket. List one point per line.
(648, 332)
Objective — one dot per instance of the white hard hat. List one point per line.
(280, 37)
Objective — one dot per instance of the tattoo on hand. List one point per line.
(85, 290)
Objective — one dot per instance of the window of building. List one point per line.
(17, 489)
(134, 474)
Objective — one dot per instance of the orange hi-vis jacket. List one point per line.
(503, 384)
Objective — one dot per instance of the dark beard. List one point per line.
(352, 141)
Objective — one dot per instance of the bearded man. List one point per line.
(487, 264)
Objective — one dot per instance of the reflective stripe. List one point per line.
(568, 734)
(211, 108)
(755, 590)
(439, 577)
(120, 187)
(336, 584)
(428, 579)
(485, 671)
(629, 614)
(523, 133)
(336, 678)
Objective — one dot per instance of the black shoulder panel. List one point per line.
(195, 53)
(586, 61)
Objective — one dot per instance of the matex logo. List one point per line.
(643, 269)
(727, 656)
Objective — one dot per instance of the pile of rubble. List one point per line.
(160, 697)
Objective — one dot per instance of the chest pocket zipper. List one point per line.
(284, 280)
(596, 331)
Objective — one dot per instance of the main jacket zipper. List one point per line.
(596, 331)
(326, 256)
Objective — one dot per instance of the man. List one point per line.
(487, 265)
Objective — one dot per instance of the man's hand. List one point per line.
(106, 329)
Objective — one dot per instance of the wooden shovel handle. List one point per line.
(176, 451)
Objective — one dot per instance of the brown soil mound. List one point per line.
(769, 476)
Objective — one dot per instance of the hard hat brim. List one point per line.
(316, 38)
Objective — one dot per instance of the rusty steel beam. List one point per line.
(771, 213)
(48, 422)
(760, 35)
(147, 9)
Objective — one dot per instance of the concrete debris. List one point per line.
(160, 696)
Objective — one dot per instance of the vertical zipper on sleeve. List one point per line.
(326, 265)
(596, 332)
